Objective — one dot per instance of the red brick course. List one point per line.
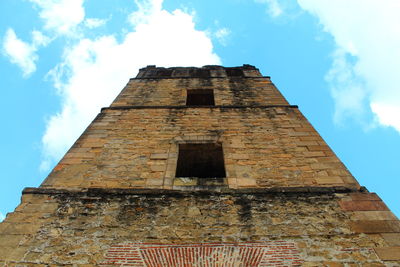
(274, 253)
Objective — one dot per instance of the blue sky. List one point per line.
(62, 60)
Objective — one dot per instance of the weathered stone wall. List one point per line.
(65, 228)
(134, 143)
(227, 91)
(114, 200)
(263, 147)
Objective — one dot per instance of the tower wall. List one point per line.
(115, 199)
(138, 147)
(229, 91)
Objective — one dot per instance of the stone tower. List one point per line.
(200, 167)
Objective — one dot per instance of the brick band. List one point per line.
(273, 253)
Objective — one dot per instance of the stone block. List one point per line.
(243, 170)
(373, 215)
(170, 173)
(362, 205)
(157, 168)
(388, 253)
(41, 208)
(238, 156)
(137, 181)
(313, 154)
(371, 227)
(71, 161)
(329, 180)
(168, 182)
(231, 181)
(154, 182)
(365, 196)
(16, 217)
(159, 156)
(193, 211)
(392, 239)
(22, 228)
(33, 198)
(10, 240)
(318, 148)
(246, 182)
(17, 254)
(5, 253)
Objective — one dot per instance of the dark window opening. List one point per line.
(201, 161)
(200, 97)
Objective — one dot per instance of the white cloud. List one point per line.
(147, 10)
(95, 71)
(2, 217)
(222, 35)
(347, 88)
(39, 39)
(61, 16)
(21, 53)
(92, 23)
(369, 32)
(274, 7)
(387, 114)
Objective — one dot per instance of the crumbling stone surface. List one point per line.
(79, 228)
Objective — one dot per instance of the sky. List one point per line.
(62, 60)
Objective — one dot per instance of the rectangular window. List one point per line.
(200, 97)
(200, 161)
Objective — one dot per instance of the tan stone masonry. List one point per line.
(282, 197)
